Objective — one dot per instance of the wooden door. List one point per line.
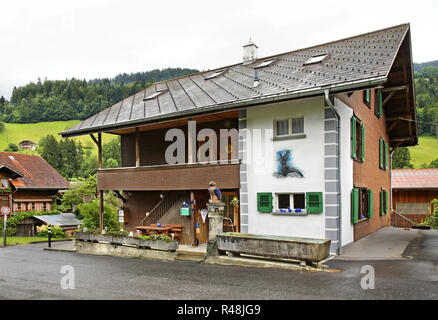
(231, 214)
(201, 198)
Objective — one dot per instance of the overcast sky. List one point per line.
(89, 39)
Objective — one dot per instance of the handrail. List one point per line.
(402, 216)
(163, 206)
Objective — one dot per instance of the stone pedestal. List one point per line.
(215, 225)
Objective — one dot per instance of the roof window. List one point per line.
(154, 95)
(316, 59)
(265, 63)
(214, 75)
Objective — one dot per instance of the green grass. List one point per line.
(23, 240)
(425, 152)
(17, 132)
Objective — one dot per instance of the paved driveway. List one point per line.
(29, 272)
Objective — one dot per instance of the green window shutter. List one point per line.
(381, 153)
(264, 202)
(386, 201)
(354, 206)
(381, 203)
(366, 97)
(386, 156)
(363, 142)
(314, 202)
(370, 204)
(379, 104)
(353, 138)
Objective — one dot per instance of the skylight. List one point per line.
(265, 63)
(214, 75)
(154, 95)
(11, 157)
(316, 59)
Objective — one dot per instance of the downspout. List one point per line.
(338, 159)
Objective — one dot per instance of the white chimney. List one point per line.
(249, 52)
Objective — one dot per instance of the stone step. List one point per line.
(189, 255)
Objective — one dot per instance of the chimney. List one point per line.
(249, 52)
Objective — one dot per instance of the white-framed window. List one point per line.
(289, 127)
(290, 202)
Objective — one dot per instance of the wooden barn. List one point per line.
(412, 193)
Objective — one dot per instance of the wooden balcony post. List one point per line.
(98, 143)
(137, 147)
(99, 155)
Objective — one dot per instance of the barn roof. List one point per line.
(415, 179)
(362, 61)
(36, 172)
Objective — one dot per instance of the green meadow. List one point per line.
(17, 132)
(425, 152)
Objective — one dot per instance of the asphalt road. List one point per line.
(29, 272)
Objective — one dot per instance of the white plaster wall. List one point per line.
(307, 155)
(346, 170)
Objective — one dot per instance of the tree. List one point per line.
(111, 153)
(12, 147)
(401, 159)
(49, 150)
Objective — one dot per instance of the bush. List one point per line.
(161, 237)
(12, 147)
(90, 212)
(433, 219)
(56, 231)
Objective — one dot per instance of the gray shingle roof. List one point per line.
(62, 219)
(351, 61)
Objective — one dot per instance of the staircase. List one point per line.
(166, 208)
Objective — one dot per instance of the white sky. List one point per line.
(89, 39)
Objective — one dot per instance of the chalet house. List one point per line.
(28, 182)
(315, 126)
(412, 193)
(27, 145)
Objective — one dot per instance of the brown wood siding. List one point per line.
(185, 177)
(153, 145)
(411, 196)
(368, 174)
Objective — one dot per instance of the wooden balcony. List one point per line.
(169, 177)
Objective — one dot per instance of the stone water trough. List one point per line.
(302, 249)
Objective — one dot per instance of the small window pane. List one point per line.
(298, 125)
(282, 127)
(299, 201)
(283, 201)
(5, 183)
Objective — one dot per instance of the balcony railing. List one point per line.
(169, 177)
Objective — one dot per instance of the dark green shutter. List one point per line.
(314, 202)
(379, 103)
(386, 156)
(353, 138)
(386, 201)
(366, 97)
(381, 153)
(381, 203)
(264, 202)
(363, 142)
(354, 206)
(370, 204)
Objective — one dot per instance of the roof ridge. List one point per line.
(288, 52)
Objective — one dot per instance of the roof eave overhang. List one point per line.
(41, 188)
(319, 91)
